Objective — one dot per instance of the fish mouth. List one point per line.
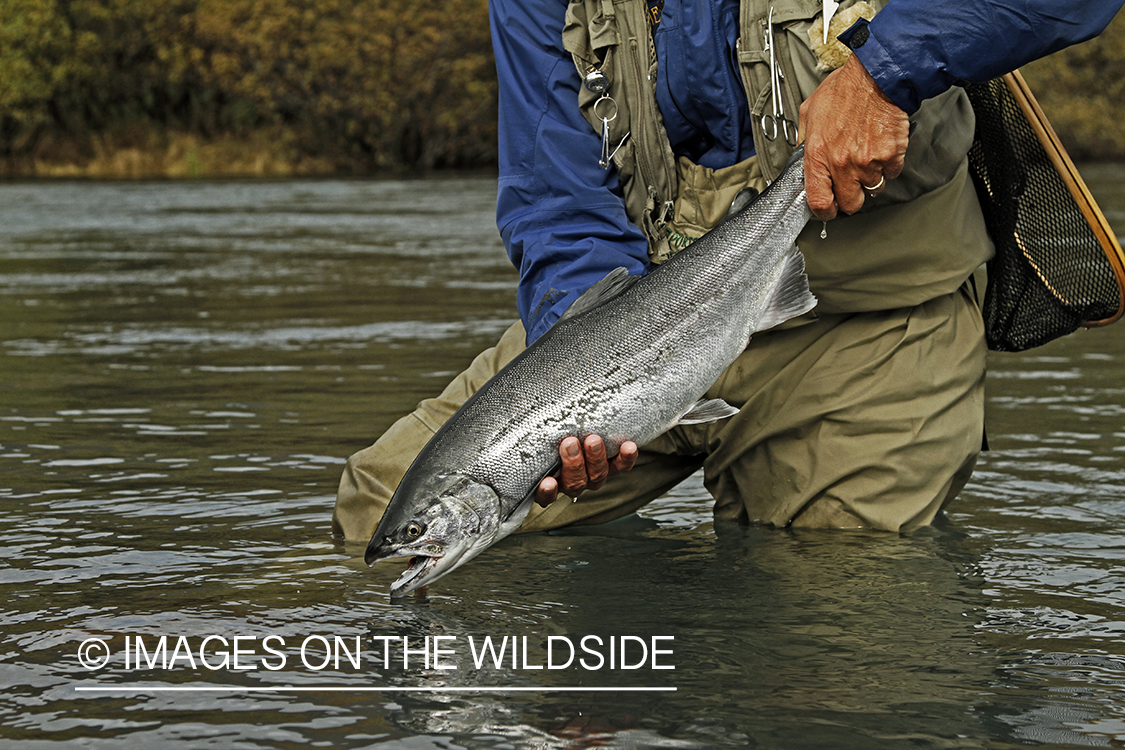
(424, 568)
(420, 569)
(416, 574)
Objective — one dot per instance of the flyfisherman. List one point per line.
(628, 128)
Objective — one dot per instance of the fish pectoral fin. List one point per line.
(707, 410)
(791, 297)
(612, 284)
(529, 498)
(516, 517)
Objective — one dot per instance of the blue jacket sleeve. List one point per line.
(560, 215)
(916, 49)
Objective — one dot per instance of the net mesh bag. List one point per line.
(1053, 271)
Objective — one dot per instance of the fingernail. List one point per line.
(572, 449)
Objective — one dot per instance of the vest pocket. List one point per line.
(795, 60)
(791, 67)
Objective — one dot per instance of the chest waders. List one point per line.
(868, 414)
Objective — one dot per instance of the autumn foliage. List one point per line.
(1082, 90)
(205, 87)
(358, 84)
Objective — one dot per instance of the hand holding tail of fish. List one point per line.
(855, 139)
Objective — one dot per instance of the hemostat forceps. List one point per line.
(777, 121)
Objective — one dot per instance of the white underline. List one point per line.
(358, 689)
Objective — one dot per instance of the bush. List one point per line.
(363, 83)
(1082, 91)
(336, 85)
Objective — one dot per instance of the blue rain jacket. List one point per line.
(561, 216)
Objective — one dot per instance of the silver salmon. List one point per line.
(630, 359)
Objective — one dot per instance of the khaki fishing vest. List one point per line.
(920, 238)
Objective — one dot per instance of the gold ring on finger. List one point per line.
(876, 187)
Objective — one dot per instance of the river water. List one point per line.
(185, 367)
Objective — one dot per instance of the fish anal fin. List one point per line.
(707, 410)
(791, 297)
(614, 283)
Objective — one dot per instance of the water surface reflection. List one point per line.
(186, 365)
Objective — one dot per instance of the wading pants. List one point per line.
(867, 420)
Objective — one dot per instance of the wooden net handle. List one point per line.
(1074, 183)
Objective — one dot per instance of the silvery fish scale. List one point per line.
(627, 366)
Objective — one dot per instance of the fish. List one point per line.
(630, 358)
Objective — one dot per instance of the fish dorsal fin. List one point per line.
(792, 296)
(614, 283)
(707, 410)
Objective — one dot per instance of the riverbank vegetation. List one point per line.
(181, 88)
(1082, 91)
(204, 87)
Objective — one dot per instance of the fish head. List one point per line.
(441, 525)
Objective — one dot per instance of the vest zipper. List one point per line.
(652, 119)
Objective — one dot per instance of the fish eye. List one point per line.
(414, 529)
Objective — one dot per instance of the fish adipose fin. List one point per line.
(792, 296)
(614, 283)
(707, 410)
